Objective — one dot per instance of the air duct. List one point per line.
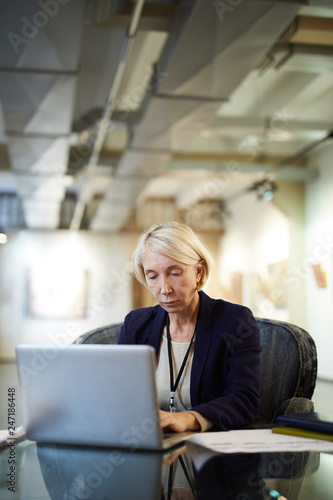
(37, 88)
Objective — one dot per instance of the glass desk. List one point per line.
(46, 471)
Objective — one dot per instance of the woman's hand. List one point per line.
(179, 421)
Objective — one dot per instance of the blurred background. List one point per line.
(115, 115)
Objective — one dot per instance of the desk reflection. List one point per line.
(231, 477)
(74, 473)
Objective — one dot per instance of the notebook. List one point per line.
(100, 395)
(313, 421)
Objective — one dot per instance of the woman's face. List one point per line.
(173, 284)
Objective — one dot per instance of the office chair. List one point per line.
(103, 335)
(288, 366)
(288, 370)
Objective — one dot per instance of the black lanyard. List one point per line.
(187, 475)
(173, 386)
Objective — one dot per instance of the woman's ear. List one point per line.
(200, 270)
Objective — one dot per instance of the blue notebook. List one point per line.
(314, 421)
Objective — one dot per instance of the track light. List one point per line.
(265, 189)
(3, 236)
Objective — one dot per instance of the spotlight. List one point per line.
(3, 237)
(265, 189)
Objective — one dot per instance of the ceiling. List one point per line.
(118, 114)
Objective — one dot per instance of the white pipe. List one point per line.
(107, 113)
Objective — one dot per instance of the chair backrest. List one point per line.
(288, 365)
(288, 369)
(103, 335)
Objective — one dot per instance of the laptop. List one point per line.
(99, 395)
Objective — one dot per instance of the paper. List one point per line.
(257, 441)
(5, 437)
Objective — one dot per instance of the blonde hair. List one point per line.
(177, 241)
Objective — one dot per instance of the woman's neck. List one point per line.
(182, 325)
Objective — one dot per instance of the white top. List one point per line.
(183, 397)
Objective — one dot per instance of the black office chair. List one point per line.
(288, 366)
(288, 370)
(103, 335)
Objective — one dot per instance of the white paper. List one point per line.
(5, 437)
(257, 441)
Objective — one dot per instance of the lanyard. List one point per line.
(187, 475)
(173, 386)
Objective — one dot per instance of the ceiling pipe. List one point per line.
(90, 168)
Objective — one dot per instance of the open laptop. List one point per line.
(100, 395)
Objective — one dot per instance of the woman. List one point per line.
(208, 367)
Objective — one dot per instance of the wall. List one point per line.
(290, 199)
(264, 244)
(297, 227)
(319, 250)
(54, 261)
(257, 234)
(61, 254)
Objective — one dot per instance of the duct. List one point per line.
(41, 213)
(112, 216)
(37, 89)
(49, 29)
(133, 173)
(38, 155)
(98, 11)
(40, 166)
(37, 104)
(191, 86)
(96, 72)
(162, 114)
(243, 35)
(107, 113)
(252, 27)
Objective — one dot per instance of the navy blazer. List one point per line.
(225, 376)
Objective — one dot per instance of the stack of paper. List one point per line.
(6, 437)
(256, 441)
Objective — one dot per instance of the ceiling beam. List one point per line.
(107, 155)
(154, 17)
(312, 30)
(238, 168)
(280, 121)
(233, 157)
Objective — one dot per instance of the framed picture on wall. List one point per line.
(319, 275)
(277, 283)
(56, 294)
(233, 291)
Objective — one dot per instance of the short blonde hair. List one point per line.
(177, 241)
